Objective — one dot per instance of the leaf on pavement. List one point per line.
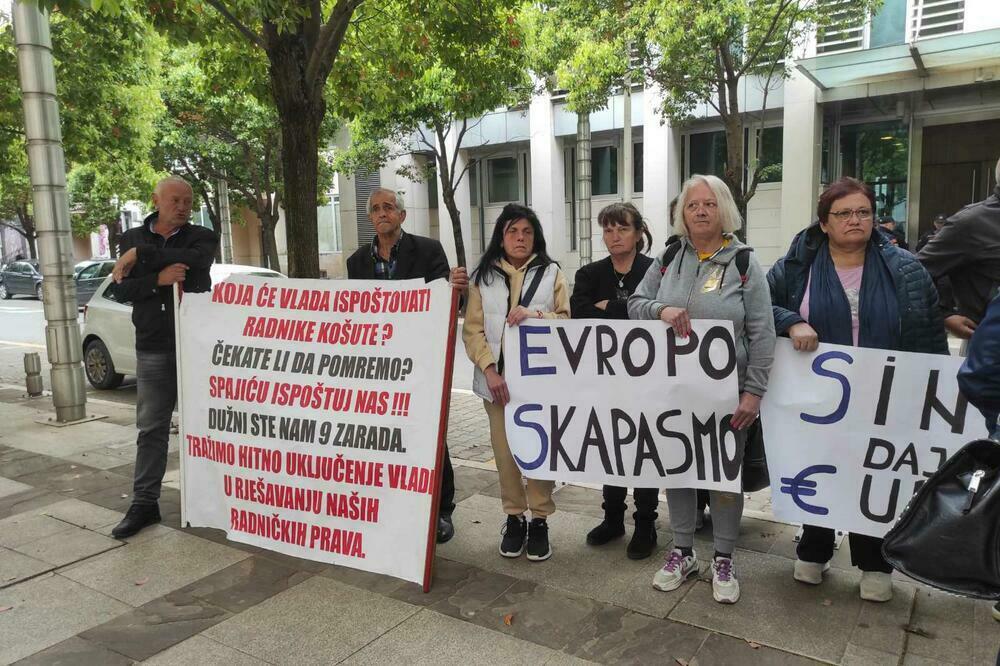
(142, 581)
(752, 644)
(827, 602)
(508, 619)
(4, 609)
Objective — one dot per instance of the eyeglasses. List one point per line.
(864, 214)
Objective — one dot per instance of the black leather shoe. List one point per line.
(607, 531)
(643, 540)
(137, 517)
(446, 529)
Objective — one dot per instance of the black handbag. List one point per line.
(755, 475)
(948, 536)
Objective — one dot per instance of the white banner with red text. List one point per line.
(852, 433)
(311, 415)
(623, 403)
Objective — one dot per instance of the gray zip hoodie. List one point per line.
(711, 289)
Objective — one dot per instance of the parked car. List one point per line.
(108, 334)
(89, 275)
(21, 278)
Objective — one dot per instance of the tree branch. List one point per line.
(331, 36)
(252, 36)
(752, 57)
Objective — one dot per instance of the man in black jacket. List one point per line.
(967, 251)
(164, 251)
(395, 255)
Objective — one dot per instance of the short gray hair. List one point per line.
(400, 205)
(728, 212)
(170, 179)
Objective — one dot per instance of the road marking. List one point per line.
(30, 345)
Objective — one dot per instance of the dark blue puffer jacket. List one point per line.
(921, 328)
(979, 377)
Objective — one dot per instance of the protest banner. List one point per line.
(852, 433)
(624, 403)
(313, 416)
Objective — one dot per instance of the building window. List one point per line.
(769, 154)
(878, 154)
(503, 185)
(432, 189)
(569, 157)
(473, 176)
(604, 170)
(328, 225)
(707, 154)
(637, 167)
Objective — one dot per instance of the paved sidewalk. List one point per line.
(70, 594)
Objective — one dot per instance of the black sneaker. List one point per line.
(137, 517)
(446, 529)
(606, 532)
(514, 534)
(538, 540)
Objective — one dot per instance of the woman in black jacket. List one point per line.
(601, 291)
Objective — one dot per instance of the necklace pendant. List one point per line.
(621, 283)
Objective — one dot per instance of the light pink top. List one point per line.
(850, 280)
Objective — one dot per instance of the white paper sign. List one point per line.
(852, 433)
(311, 416)
(623, 403)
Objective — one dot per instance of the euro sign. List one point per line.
(801, 486)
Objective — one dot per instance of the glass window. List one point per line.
(604, 170)
(432, 189)
(769, 153)
(326, 226)
(708, 154)
(878, 154)
(503, 184)
(106, 269)
(637, 167)
(473, 177)
(90, 272)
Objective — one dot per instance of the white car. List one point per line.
(109, 336)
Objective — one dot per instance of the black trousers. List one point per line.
(446, 503)
(645, 502)
(816, 545)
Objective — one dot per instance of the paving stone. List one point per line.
(50, 441)
(470, 596)
(73, 479)
(27, 527)
(719, 650)
(27, 463)
(917, 660)
(102, 458)
(855, 655)
(620, 636)
(10, 487)
(83, 514)
(942, 628)
(48, 610)
(317, 621)
(882, 627)
(156, 626)
(420, 638)
(812, 621)
(204, 652)
(76, 651)
(15, 567)
(245, 584)
(986, 648)
(116, 498)
(68, 547)
(539, 614)
(469, 481)
(163, 564)
(29, 500)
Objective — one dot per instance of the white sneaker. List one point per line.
(725, 587)
(677, 569)
(996, 612)
(810, 572)
(876, 586)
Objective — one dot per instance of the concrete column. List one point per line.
(445, 226)
(548, 175)
(802, 149)
(661, 155)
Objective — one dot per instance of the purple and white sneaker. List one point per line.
(677, 569)
(725, 587)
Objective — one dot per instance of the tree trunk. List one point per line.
(456, 221)
(270, 245)
(28, 224)
(300, 112)
(114, 233)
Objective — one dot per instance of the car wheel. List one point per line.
(4, 294)
(99, 367)
(38, 291)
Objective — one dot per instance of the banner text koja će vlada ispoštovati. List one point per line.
(311, 413)
(851, 433)
(624, 403)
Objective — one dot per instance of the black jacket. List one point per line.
(967, 251)
(152, 305)
(418, 257)
(979, 377)
(920, 326)
(597, 281)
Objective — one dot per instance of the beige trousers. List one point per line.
(517, 499)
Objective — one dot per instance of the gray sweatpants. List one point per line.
(727, 510)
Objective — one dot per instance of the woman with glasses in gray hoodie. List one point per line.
(701, 281)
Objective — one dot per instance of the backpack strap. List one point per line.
(743, 263)
(673, 247)
(536, 280)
